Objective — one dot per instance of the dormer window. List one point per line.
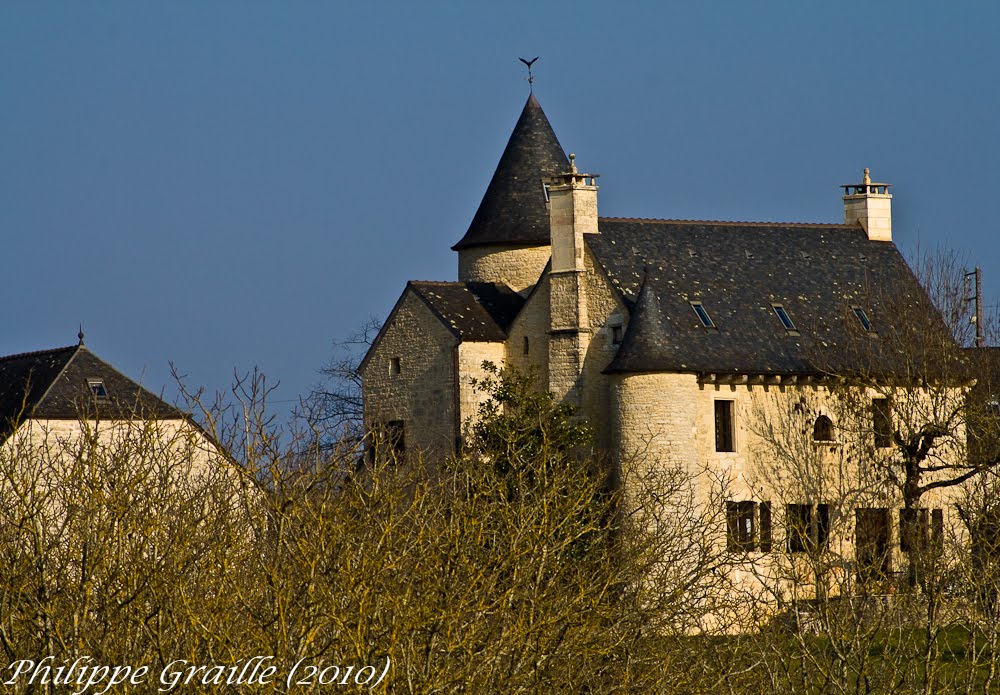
(863, 318)
(782, 315)
(823, 429)
(97, 389)
(703, 316)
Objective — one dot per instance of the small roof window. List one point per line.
(862, 317)
(97, 388)
(699, 309)
(782, 315)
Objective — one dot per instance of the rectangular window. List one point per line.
(740, 530)
(808, 527)
(937, 530)
(527, 345)
(97, 389)
(702, 313)
(395, 434)
(783, 317)
(724, 426)
(748, 526)
(395, 366)
(798, 519)
(882, 422)
(872, 544)
(616, 335)
(921, 529)
(862, 318)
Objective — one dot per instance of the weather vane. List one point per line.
(531, 76)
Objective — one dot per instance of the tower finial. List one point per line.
(80, 334)
(531, 75)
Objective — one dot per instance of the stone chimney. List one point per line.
(871, 205)
(572, 213)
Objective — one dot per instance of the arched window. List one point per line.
(823, 429)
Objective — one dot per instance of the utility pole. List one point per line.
(978, 299)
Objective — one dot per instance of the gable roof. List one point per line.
(738, 271)
(53, 385)
(472, 311)
(513, 211)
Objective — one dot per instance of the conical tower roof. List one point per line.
(648, 334)
(513, 211)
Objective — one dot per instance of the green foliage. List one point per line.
(520, 429)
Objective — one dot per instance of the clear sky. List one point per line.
(230, 184)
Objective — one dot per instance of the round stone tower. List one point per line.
(508, 239)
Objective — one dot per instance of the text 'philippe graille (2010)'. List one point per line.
(84, 676)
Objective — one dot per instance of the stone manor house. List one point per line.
(658, 330)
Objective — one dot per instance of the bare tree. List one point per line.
(335, 406)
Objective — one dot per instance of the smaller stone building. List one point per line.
(67, 402)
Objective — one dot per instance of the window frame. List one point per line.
(863, 319)
(98, 389)
(786, 320)
(827, 427)
(703, 316)
(395, 434)
(741, 526)
(725, 428)
(877, 565)
(921, 530)
(798, 528)
(882, 432)
(807, 527)
(617, 334)
(748, 526)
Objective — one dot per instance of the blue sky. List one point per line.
(231, 184)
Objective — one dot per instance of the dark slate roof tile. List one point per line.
(513, 210)
(53, 384)
(475, 311)
(738, 270)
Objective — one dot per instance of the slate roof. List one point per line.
(513, 210)
(738, 270)
(53, 385)
(473, 311)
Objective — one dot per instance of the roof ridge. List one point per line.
(438, 282)
(734, 223)
(62, 370)
(36, 353)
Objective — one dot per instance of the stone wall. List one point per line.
(517, 267)
(605, 310)
(470, 366)
(668, 420)
(424, 392)
(159, 444)
(532, 323)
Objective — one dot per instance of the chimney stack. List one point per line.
(871, 205)
(572, 213)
